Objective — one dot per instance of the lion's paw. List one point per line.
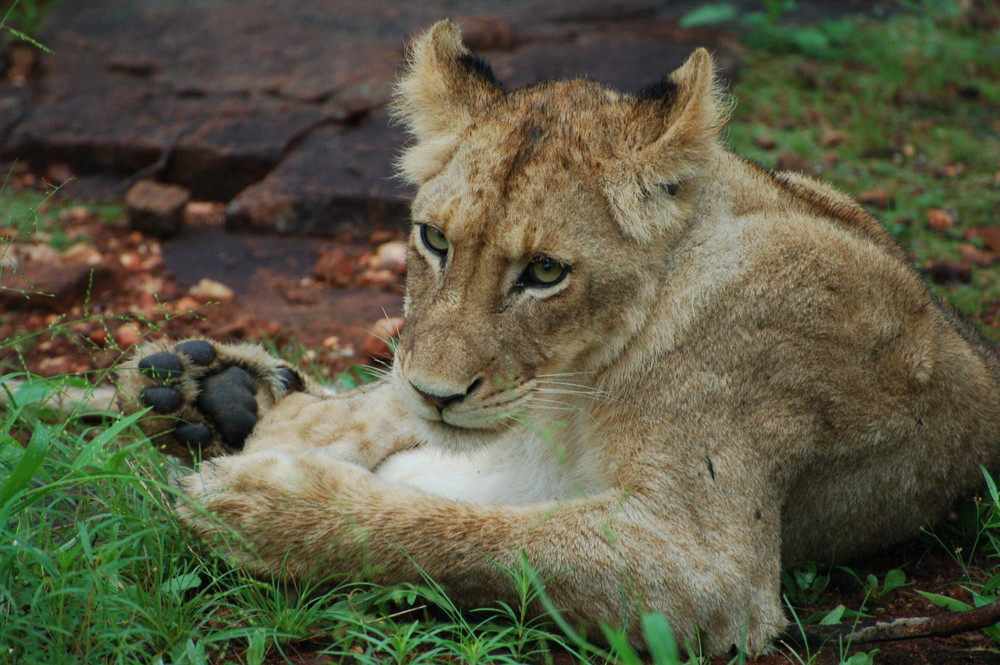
(262, 510)
(205, 397)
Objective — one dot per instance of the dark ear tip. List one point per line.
(476, 65)
(662, 90)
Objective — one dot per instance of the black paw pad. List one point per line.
(163, 400)
(161, 366)
(290, 380)
(193, 435)
(227, 398)
(199, 351)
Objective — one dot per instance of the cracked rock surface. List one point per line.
(278, 110)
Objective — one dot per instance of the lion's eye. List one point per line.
(434, 240)
(543, 273)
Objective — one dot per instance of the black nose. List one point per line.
(441, 401)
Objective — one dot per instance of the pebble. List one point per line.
(156, 209)
(131, 261)
(82, 251)
(209, 289)
(126, 335)
(876, 197)
(334, 267)
(376, 346)
(390, 256)
(940, 220)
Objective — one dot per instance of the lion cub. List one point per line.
(629, 355)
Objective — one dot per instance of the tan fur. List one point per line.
(742, 373)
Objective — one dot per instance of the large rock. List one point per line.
(280, 109)
(338, 181)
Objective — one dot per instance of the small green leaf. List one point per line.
(952, 604)
(708, 15)
(26, 467)
(181, 583)
(620, 646)
(833, 617)
(660, 639)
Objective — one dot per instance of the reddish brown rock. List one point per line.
(378, 345)
(940, 220)
(52, 285)
(309, 193)
(876, 197)
(335, 267)
(978, 257)
(156, 209)
(947, 271)
(990, 235)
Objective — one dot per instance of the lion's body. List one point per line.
(732, 369)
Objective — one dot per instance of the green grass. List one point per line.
(891, 89)
(95, 568)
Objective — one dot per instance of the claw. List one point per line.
(161, 366)
(290, 380)
(199, 351)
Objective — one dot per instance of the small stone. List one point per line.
(832, 138)
(380, 236)
(209, 289)
(186, 304)
(334, 267)
(766, 142)
(58, 173)
(390, 256)
(940, 220)
(377, 344)
(42, 253)
(131, 261)
(990, 235)
(205, 212)
(976, 256)
(83, 252)
(126, 335)
(876, 197)
(156, 209)
(152, 263)
(946, 271)
(378, 279)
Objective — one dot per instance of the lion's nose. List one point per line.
(441, 401)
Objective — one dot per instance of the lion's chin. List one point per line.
(460, 437)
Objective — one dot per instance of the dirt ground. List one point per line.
(104, 288)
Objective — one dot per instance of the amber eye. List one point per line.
(434, 240)
(543, 273)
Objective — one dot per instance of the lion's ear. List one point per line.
(443, 88)
(669, 139)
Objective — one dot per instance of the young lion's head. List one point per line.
(540, 227)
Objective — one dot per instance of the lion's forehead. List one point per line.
(525, 179)
(542, 211)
